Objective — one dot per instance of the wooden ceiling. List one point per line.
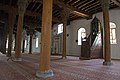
(78, 9)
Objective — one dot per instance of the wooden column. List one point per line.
(11, 19)
(107, 50)
(22, 8)
(24, 35)
(19, 37)
(23, 46)
(64, 16)
(30, 48)
(15, 42)
(6, 33)
(45, 70)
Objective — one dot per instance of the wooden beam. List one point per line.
(117, 2)
(7, 9)
(70, 8)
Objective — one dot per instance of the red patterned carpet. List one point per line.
(64, 69)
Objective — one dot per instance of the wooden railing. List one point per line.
(88, 49)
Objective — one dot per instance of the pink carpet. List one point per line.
(64, 69)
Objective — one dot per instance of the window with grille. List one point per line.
(60, 28)
(113, 33)
(37, 43)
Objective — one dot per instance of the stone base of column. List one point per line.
(107, 63)
(64, 57)
(8, 55)
(84, 58)
(17, 59)
(44, 74)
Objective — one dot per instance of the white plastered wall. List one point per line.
(74, 49)
(114, 17)
(72, 30)
(34, 49)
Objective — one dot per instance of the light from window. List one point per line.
(60, 28)
(25, 44)
(81, 35)
(13, 45)
(7, 44)
(37, 43)
(113, 33)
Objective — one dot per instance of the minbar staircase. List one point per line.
(92, 49)
(96, 48)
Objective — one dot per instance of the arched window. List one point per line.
(113, 33)
(81, 35)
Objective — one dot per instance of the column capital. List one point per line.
(64, 15)
(105, 4)
(22, 4)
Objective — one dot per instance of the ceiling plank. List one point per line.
(96, 8)
(33, 5)
(75, 2)
(80, 3)
(116, 2)
(37, 7)
(93, 7)
(7, 8)
(69, 1)
(97, 2)
(86, 3)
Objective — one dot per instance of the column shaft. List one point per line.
(30, 48)
(64, 16)
(107, 52)
(23, 46)
(64, 39)
(11, 25)
(19, 36)
(46, 41)
(46, 35)
(22, 4)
